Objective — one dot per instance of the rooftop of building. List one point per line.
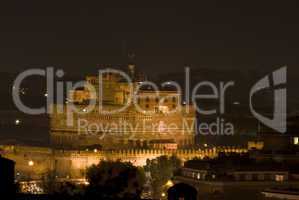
(5, 161)
(235, 162)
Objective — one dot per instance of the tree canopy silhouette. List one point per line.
(114, 180)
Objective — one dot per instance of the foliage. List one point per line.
(114, 180)
(49, 182)
(60, 190)
(161, 170)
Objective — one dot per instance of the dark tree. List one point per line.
(114, 180)
(61, 190)
(161, 171)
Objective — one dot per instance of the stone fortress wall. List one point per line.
(35, 162)
(127, 129)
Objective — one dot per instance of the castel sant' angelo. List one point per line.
(113, 116)
(132, 115)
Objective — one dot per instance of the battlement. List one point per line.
(71, 163)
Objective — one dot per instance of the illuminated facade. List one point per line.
(130, 116)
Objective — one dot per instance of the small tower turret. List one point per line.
(131, 65)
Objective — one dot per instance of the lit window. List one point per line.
(296, 140)
(279, 178)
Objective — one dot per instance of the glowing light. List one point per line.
(296, 140)
(95, 150)
(163, 194)
(198, 176)
(279, 178)
(169, 183)
(17, 121)
(164, 109)
(205, 145)
(46, 94)
(30, 163)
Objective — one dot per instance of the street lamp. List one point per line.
(30, 164)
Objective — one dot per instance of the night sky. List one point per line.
(165, 36)
(78, 35)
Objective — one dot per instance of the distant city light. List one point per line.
(95, 150)
(198, 176)
(22, 90)
(17, 121)
(205, 145)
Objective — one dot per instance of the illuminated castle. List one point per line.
(152, 119)
(159, 124)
